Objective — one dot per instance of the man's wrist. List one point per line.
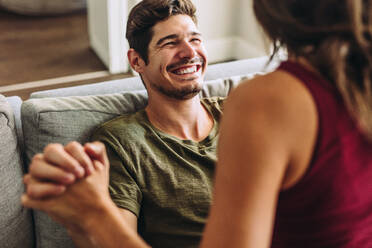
(105, 209)
(107, 228)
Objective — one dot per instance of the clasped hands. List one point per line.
(69, 183)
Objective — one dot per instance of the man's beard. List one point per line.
(185, 93)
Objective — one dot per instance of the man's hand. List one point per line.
(78, 198)
(58, 167)
(86, 196)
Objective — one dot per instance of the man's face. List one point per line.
(176, 58)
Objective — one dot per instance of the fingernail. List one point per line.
(61, 189)
(95, 148)
(69, 178)
(79, 172)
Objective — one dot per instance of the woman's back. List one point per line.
(295, 151)
(331, 205)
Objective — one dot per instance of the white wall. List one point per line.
(230, 29)
(98, 28)
(251, 40)
(106, 25)
(228, 26)
(216, 23)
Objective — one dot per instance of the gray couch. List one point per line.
(70, 114)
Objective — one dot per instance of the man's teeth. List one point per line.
(186, 71)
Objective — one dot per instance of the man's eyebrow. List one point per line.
(195, 34)
(168, 37)
(174, 36)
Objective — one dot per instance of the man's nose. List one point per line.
(187, 50)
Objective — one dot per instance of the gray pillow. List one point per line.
(64, 119)
(61, 120)
(15, 221)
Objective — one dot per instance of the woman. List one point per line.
(295, 152)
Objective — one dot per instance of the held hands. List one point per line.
(69, 183)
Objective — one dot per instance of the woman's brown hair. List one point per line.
(334, 36)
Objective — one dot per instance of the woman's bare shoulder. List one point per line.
(277, 103)
(273, 114)
(277, 85)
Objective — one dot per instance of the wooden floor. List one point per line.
(39, 48)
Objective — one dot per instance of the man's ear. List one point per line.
(135, 60)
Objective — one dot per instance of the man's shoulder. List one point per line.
(128, 125)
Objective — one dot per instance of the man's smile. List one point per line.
(184, 70)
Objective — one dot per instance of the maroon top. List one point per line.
(331, 206)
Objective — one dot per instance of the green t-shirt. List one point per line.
(165, 181)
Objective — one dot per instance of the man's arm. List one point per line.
(89, 238)
(123, 232)
(129, 218)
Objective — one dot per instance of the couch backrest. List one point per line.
(214, 72)
(64, 119)
(15, 221)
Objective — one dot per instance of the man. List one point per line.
(161, 158)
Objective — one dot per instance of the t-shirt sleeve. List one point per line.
(123, 188)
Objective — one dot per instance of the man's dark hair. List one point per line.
(148, 13)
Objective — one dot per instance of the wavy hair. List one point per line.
(335, 37)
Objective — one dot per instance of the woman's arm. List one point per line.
(263, 149)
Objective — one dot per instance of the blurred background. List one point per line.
(46, 44)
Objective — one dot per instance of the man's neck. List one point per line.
(184, 119)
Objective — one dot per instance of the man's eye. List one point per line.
(196, 40)
(171, 43)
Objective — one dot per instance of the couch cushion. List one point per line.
(64, 119)
(15, 221)
(61, 120)
(15, 102)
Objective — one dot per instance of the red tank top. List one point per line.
(331, 206)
